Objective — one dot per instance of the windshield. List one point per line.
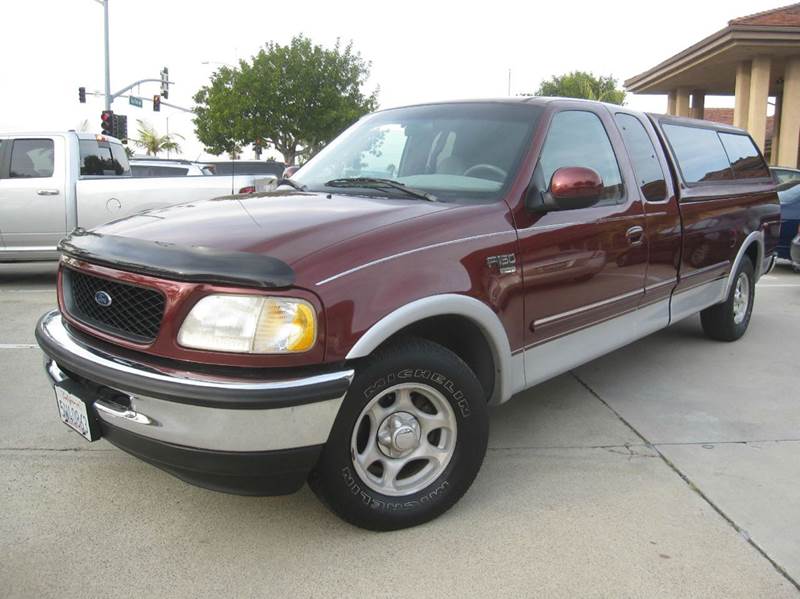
(467, 151)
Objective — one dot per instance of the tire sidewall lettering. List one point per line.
(368, 498)
(440, 380)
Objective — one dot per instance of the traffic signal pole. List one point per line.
(109, 97)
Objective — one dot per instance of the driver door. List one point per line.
(582, 266)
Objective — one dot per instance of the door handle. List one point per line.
(47, 192)
(635, 236)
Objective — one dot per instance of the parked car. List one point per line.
(785, 175)
(51, 183)
(248, 167)
(789, 195)
(165, 167)
(795, 252)
(246, 345)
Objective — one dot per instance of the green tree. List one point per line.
(580, 84)
(295, 97)
(152, 142)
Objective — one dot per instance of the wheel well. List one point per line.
(461, 336)
(752, 253)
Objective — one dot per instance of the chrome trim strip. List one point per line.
(700, 271)
(408, 252)
(581, 309)
(30, 248)
(671, 281)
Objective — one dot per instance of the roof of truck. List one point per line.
(78, 134)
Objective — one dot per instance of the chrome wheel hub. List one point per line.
(399, 435)
(741, 298)
(403, 439)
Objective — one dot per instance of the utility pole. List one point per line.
(509, 82)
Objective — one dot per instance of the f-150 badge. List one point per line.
(505, 263)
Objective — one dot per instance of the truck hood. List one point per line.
(285, 225)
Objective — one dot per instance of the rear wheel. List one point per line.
(408, 441)
(729, 320)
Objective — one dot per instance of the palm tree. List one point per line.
(153, 143)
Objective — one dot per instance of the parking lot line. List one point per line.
(18, 346)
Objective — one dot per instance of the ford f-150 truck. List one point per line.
(352, 329)
(52, 182)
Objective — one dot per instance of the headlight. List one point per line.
(250, 324)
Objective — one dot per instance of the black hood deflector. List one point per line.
(182, 263)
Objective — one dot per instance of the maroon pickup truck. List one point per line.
(350, 328)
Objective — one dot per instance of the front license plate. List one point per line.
(74, 413)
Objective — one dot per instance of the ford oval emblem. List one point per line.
(102, 298)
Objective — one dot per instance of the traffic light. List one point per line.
(156, 103)
(119, 127)
(165, 83)
(82, 95)
(107, 122)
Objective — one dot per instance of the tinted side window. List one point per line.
(101, 158)
(699, 153)
(643, 157)
(31, 158)
(744, 157)
(578, 138)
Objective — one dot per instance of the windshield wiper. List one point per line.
(377, 183)
(290, 183)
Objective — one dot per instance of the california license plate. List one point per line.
(74, 413)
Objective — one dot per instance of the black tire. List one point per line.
(719, 322)
(336, 480)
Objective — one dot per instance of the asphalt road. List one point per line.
(669, 468)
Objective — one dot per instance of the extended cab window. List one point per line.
(102, 158)
(643, 155)
(578, 138)
(744, 156)
(31, 158)
(699, 153)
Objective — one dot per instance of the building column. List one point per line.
(698, 104)
(776, 130)
(671, 102)
(742, 95)
(682, 102)
(759, 94)
(789, 137)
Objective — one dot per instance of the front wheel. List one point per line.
(728, 321)
(408, 441)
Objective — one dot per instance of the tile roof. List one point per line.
(785, 16)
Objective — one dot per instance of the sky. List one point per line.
(420, 50)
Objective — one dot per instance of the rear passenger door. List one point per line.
(657, 193)
(587, 265)
(32, 192)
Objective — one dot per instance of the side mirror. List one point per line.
(573, 187)
(289, 171)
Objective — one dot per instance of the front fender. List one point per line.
(509, 373)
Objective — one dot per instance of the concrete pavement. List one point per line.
(666, 469)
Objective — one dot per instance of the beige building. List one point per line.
(755, 58)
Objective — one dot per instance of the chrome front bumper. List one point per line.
(173, 412)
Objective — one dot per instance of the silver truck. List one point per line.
(52, 182)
